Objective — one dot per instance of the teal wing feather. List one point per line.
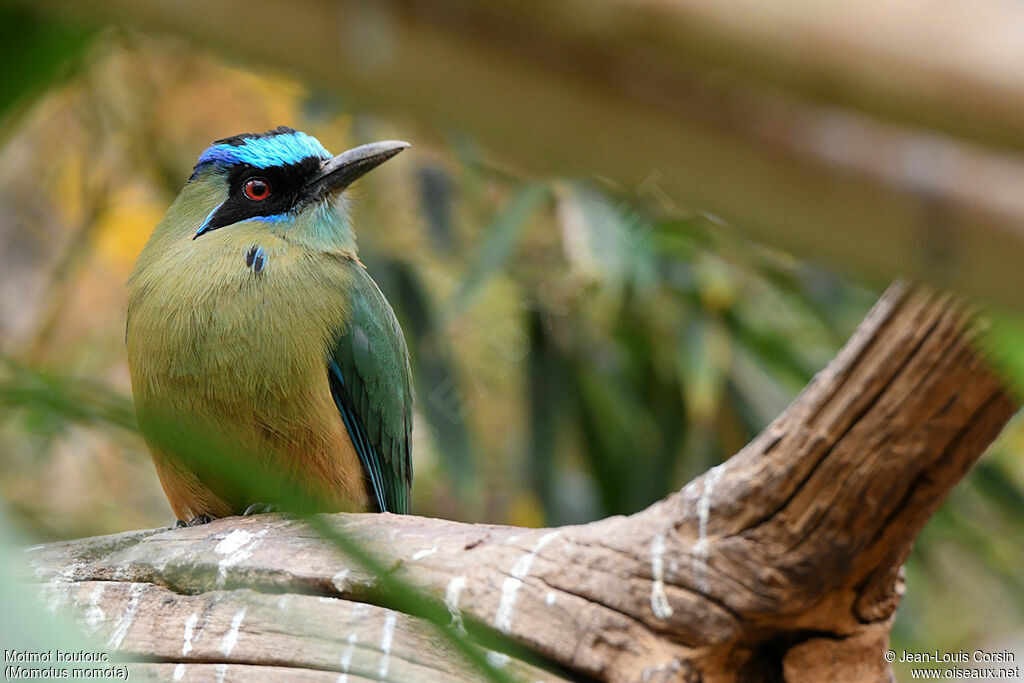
(368, 371)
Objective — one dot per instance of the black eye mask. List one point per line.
(286, 183)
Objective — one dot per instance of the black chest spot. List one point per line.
(256, 259)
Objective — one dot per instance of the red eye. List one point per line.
(256, 189)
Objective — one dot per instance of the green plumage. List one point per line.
(373, 361)
(265, 329)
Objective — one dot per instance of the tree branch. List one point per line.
(782, 561)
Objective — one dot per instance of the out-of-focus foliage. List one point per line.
(26, 627)
(579, 350)
(36, 52)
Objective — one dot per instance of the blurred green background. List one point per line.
(580, 349)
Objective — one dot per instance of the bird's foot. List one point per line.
(260, 509)
(198, 520)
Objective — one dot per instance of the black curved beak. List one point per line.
(338, 173)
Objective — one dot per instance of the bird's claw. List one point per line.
(260, 509)
(198, 520)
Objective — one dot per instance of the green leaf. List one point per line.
(499, 243)
(1003, 342)
(36, 50)
(607, 242)
(704, 360)
(53, 400)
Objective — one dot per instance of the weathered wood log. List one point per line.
(783, 562)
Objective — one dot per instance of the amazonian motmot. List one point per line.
(251, 317)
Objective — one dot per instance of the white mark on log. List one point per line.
(94, 614)
(219, 671)
(451, 601)
(659, 601)
(33, 548)
(666, 671)
(40, 572)
(231, 637)
(121, 572)
(179, 672)
(420, 554)
(359, 611)
(340, 580)
(346, 658)
(236, 540)
(700, 548)
(282, 603)
(55, 594)
(124, 622)
(510, 587)
(326, 599)
(190, 625)
(68, 573)
(385, 645)
(238, 546)
(549, 599)
(498, 660)
(700, 564)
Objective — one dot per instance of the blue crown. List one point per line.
(278, 147)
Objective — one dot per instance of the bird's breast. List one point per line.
(235, 324)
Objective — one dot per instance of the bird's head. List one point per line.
(283, 178)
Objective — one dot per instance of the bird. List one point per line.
(251, 318)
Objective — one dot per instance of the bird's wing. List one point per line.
(368, 370)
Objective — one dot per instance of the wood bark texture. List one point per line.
(782, 563)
